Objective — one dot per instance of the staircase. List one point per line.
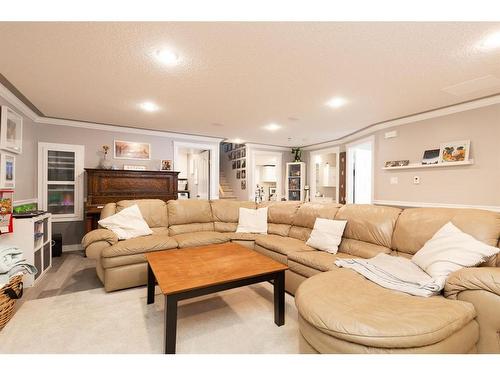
(225, 190)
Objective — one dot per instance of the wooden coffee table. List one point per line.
(192, 272)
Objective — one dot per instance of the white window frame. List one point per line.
(79, 150)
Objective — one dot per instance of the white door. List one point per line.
(202, 174)
(360, 172)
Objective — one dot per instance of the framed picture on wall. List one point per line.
(431, 157)
(11, 130)
(132, 150)
(452, 152)
(165, 165)
(8, 171)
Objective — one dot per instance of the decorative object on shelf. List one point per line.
(238, 164)
(132, 150)
(11, 130)
(105, 162)
(297, 154)
(259, 194)
(134, 167)
(243, 173)
(8, 171)
(295, 181)
(238, 175)
(243, 163)
(166, 165)
(452, 152)
(396, 163)
(234, 164)
(6, 210)
(243, 184)
(431, 157)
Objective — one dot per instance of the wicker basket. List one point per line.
(9, 294)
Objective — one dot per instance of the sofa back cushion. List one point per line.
(369, 229)
(153, 211)
(280, 216)
(226, 213)
(189, 216)
(415, 226)
(304, 219)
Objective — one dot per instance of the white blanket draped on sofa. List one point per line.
(395, 273)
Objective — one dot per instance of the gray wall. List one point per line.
(27, 162)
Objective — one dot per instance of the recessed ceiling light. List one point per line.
(491, 41)
(272, 127)
(149, 106)
(167, 57)
(336, 102)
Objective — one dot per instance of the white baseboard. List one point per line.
(75, 247)
(439, 205)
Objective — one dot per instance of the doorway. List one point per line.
(360, 166)
(265, 170)
(323, 175)
(198, 167)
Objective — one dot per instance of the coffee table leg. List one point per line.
(279, 298)
(151, 285)
(170, 323)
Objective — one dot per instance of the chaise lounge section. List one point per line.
(339, 310)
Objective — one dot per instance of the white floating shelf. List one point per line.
(439, 165)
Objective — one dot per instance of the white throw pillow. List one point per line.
(128, 223)
(327, 235)
(449, 250)
(252, 221)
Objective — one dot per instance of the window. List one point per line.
(60, 182)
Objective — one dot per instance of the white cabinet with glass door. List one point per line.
(60, 182)
(295, 181)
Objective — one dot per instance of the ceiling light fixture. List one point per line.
(336, 102)
(149, 106)
(167, 57)
(272, 127)
(491, 41)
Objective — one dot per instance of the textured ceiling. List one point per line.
(235, 78)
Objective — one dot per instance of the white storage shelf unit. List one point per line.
(34, 237)
(295, 181)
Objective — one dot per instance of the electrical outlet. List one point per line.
(416, 180)
(394, 181)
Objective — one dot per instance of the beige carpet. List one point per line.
(235, 321)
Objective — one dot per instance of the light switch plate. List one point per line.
(394, 181)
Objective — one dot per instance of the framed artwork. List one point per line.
(452, 152)
(8, 171)
(11, 130)
(243, 184)
(243, 173)
(396, 163)
(165, 165)
(238, 175)
(431, 157)
(132, 150)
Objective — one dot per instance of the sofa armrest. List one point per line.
(99, 235)
(476, 278)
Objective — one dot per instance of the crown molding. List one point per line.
(261, 146)
(18, 103)
(455, 108)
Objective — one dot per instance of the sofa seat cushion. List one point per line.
(140, 245)
(200, 238)
(319, 260)
(282, 245)
(345, 305)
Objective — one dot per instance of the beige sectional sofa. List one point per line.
(339, 310)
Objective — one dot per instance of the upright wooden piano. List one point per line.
(110, 185)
